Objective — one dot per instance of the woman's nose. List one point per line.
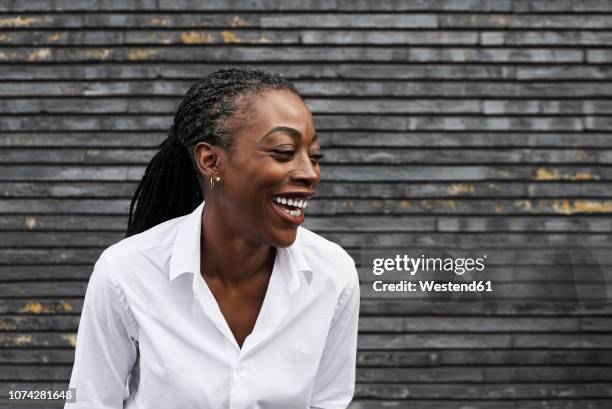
(307, 172)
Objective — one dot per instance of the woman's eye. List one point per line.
(286, 153)
(316, 158)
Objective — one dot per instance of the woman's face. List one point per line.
(275, 158)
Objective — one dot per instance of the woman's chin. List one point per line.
(285, 238)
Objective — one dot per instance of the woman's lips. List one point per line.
(293, 220)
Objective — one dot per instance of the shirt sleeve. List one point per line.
(106, 347)
(334, 384)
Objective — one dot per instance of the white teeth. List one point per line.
(294, 213)
(299, 203)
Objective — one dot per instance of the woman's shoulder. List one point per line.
(308, 238)
(326, 255)
(148, 241)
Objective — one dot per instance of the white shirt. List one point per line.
(151, 333)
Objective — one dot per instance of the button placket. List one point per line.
(235, 389)
(238, 385)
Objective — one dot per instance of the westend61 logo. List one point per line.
(413, 265)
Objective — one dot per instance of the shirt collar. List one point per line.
(185, 256)
(186, 249)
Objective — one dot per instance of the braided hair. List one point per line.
(172, 185)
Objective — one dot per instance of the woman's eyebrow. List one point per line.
(287, 129)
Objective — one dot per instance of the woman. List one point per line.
(227, 302)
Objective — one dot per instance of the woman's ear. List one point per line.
(207, 158)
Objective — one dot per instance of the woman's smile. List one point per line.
(290, 206)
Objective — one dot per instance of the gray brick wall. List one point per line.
(455, 127)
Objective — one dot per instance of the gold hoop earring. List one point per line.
(212, 183)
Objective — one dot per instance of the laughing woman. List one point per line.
(217, 297)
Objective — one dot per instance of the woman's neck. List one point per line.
(227, 256)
